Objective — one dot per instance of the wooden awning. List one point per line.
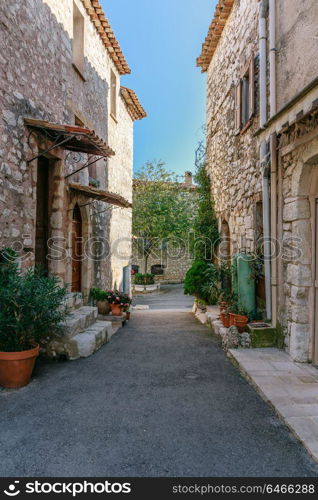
(98, 194)
(71, 137)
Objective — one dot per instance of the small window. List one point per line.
(78, 39)
(113, 94)
(157, 269)
(245, 98)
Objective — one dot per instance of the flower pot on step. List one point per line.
(240, 322)
(103, 307)
(225, 318)
(232, 319)
(117, 309)
(16, 367)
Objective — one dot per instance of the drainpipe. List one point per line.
(266, 227)
(274, 261)
(272, 56)
(264, 156)
(263, 62)
(273, 154)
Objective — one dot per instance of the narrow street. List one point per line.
(161, 399)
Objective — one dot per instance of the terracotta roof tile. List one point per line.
(95, 11)
(221, 15)
(133, 105)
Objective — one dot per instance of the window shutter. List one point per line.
(251, 89)
(238, 106)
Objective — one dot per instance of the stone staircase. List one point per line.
(81, 334)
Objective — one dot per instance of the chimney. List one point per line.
(188, 180)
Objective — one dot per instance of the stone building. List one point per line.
(66, 155)
(169, 265)
(263, 152)
(66, 142)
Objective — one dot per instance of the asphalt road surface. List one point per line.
(161, 399)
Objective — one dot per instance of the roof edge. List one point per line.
(134, 108)
(222, 12)
(97, 15)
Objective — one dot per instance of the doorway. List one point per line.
(77, 246)
(42, 214)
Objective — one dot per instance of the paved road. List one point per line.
(161, 399)
(170, 297)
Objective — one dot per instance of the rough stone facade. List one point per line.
(38, 80)
(291, 129)
(232, 156)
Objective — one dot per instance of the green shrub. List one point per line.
(144, 279)
(203, 281)
(100, 295)
(31, 307)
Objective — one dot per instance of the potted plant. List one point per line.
(32, 308)
(238, 315)
(225, 318)
(102, 300)
(118, 302)
(241, 318)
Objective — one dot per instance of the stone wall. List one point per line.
(297, 46)
(120, 181)
(176, 264)
(39, 81)
(233, 160)
(299, 174)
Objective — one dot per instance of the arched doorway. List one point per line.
(77, 248)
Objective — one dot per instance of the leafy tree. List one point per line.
(205, 223)
(162, 211)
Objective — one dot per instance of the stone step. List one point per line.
(78, 321)
(87, 343)
(82, 344)
(74, 300)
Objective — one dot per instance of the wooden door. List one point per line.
(42, 214)
(76, 250)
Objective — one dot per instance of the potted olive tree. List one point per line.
(31, 309)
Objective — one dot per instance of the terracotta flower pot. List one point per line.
(240, 322)
(223, 306)
(117, 310)
(16, 367)
(103, 307)
(225, 318)
(232, 319)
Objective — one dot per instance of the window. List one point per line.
(78, 40)
(245, 98)
(157, 269)
(113, 94)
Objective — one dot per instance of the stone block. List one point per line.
(299, 342)
(265, 336)
(299, 274)
(295, 210)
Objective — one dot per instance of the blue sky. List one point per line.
(161, 41)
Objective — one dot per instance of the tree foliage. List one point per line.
(205, 222)
(161, 210)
